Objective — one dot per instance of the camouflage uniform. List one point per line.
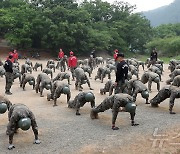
(26, 68)
(26, 78)
(135, 87)
(41, 82)
(172, 64)
(79, 101)
(61, 76)
(62, 64)
(176, 81)
(6, 101)
(16, 112)
(85, 61)
(101, 73)
(178, 66)
(91, 62)
(175, 73)
(150, 77)
(109, 86)
(133, 62)
(99, 60)
(155, 70)
(114, 102)
(81, 78)
(29, 62)
(48, 71)
(16, 74)
(160, 67)
(169, 91)
(51, 66)
(134, 70)
(50, 62)
(57, 90)
(16, 65)
(37, 65)
(111, 67)
(87, 69)
(2, 71)
(80, 62)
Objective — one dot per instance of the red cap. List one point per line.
(116, 50)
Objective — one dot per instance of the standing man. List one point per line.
(8, 66)
(72, 63)
(61, 54)
(153, 58)
(15, 55)
(115, 54)
(121, 74)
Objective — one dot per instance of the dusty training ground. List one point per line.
(61, 131)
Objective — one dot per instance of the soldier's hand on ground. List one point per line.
(91, 88)
(11, 146)
(55, 105)
(37, 141)
(77, 113)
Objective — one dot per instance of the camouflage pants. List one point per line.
(151, 62)
(120, 88)
(9, 81)
(72, 72)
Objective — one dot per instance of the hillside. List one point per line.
(164, 15)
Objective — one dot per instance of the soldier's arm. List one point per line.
(34, 128)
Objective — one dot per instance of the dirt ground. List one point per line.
(61, 131)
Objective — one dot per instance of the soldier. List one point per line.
(5, 104)
(121, 74)
(176, 81)
(87, 69)
(59, 88)
(134, 70)
(141, 63)
(81, 78)
(153, 58)
(2, 71)
(43, 81)
(155, 70)
(111, 67)
(172, 64)
(178, 66)
(37, 65)
(16, 74)
(160, 67)
(27, 78)
(50, 62)
(8, 66)
(61, 76)
(62, 63)
(80, 62)
(26, 68)
(16, 65)
(150, 77)
(168, 91)
(102, 72)
(48, 71)
(115, 102)
(80, 100)
(21, 117)
(99, 60)
(91, 62)
(135, 86)
(28, 62)
(51, 66)
(109, 86)
(175, 73)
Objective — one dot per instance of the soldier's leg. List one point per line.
(41, 88)
(9, 82)
(24, 84)
(22, 80)
(55, 97)
(171, 103)
(92, 104)
(76, 84)
(78, 105)
(149, 85)
(135, 94)
(169, 81)
(88, 82)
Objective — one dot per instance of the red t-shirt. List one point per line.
(61, 54)
(72, 61)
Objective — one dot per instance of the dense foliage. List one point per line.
(166, 39)
(51, 24)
